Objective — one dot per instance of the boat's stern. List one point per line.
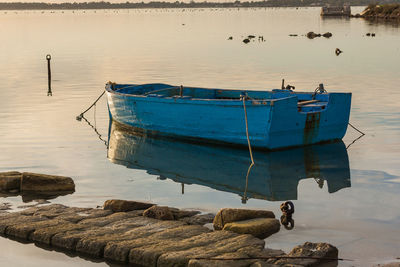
(297, 120)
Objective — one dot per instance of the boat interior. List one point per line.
(307, 102)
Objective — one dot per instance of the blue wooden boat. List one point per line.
(276, 119)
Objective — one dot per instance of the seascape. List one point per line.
(345, 193)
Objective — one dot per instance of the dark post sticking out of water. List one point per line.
(48, 57)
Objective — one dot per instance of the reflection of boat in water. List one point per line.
(275, 175)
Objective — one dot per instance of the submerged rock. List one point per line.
(259, 227)
(327, 35)
(117, 205)
(232, 215)
(199, 219)
(321, 253)
(5, 206)
(35, 182)
(179, 214)
(159, 212)
(312, 35)
(168, 213)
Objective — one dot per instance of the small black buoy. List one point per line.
(338, 51)
(246, 41)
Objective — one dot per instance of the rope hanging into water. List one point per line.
(96, 131)
(247, 130)
(79, 118)
(355, 140)
(244, 198)
(362, 134)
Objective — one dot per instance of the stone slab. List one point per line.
(118, 205)
(35, 182)
(233, 215)
(259, 227)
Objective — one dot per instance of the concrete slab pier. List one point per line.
(131, 238)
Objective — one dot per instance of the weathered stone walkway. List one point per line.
(129, 237)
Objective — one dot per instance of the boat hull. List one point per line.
(272, 123)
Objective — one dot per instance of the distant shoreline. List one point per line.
(205, 4)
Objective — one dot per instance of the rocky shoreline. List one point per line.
(145, 234)
(383, 12)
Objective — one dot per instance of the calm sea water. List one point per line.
(348, 197)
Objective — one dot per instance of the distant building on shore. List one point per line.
(344, 11)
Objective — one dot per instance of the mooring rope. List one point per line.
(94, 103)
(244, 198)
(96, 131)
(247, 133)
(356, 129)
(355, 140)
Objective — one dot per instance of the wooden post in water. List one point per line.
(48, 57)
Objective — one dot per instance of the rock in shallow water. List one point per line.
(199, 219)
(320, 254)
(259, 227)
(35, 182)
(327, 35)
(117, 205)
(159, 212)
(232, 215)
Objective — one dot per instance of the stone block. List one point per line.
(259, 227)
(34, 182)
(232, 215)
(117, 205)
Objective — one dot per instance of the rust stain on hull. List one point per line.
(311, 127)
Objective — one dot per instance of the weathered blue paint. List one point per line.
(275, 175)
(274, 118)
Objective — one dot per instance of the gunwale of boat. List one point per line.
(231, 100)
